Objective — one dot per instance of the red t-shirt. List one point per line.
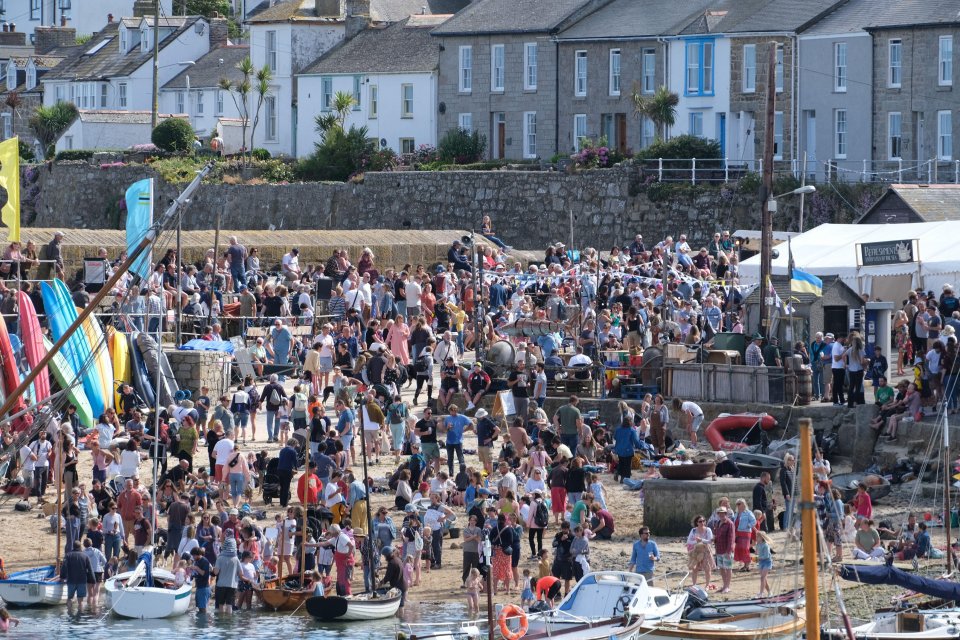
(310, 483)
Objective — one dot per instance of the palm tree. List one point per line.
(661, 108)
(263, 90)
(240, 94)
(48, 123)
(340, 106)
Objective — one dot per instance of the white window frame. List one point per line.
(104, 88)
(580, 73)
(357, 92)
(778, 69)
(579, 129)
(530, 66)
(945, 65)
(326, 93)
(945, 135)
(199, 107)
(31, 81)
(695, 123)
(498, 54)
(181, 102)
(840, 67)
(465, 121)
(11, 75)
(648, 60)
(749, 68)
(123, 40)
(615, 70)
(406, 103)
(59, 93)
(465, 58)
(270, 46)
(894, 63)
(529, 134)
(35, 9)
(894, 132)
(778, 135)
(122, 95)
(270, 117)
(648, 132)
(413, 145)
(373, 106)
(7, 125)
(840, 134)
(144, 40)
(219, 106)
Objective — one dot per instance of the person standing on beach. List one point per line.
(77, 572)
(723, 542)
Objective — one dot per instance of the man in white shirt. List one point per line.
(508, 481)
(837, 369)
(413, 291)
(221, 453)
(446, 348)
(41, 448)
(683, 251)
(331, 492)
(290, 265)
(28, 462)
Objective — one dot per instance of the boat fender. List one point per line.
(512, 611)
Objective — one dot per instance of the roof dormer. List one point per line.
(31, 81)
(11, 75)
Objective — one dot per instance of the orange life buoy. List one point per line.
(512, 611)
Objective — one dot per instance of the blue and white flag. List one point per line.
(139, 220)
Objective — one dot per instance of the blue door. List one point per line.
(722, 133)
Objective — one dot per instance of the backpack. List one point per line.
(395, 413)
(420, 366)
(275, 397)
(541, 517)
(299, 402)
(239, 407)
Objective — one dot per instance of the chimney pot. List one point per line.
(109, 18)
(13, 27)
(63, 21)
(6, 27)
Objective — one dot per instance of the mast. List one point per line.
(366, 493)
(58, 472)
(149, 239)
(306, 519)
(947, 468)
(809, 527)
(156, 430)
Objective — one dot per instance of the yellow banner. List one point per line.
(10, 180)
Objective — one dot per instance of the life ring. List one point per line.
(512, 611)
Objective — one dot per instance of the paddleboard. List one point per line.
(63, 373)
(8, 368)
(101, 353)
(33, 344)
(87, 366)
(138, 372)
(120, 358)
(153, 358)
(23, 368)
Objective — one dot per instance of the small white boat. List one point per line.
(776, 624)
(127, 596)
(353, 608)
(905, 625)
(33, 587)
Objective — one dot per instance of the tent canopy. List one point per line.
(831, 249)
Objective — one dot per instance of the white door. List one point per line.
(921, 149)
(746, 133)
(811, 149)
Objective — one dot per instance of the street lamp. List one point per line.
(156, 82)
(799, 191)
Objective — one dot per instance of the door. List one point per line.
(746, 134)
(811, 146)
(622, 132)
(921, 150)
(722, 133)
(499, 135)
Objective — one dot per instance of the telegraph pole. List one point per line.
(155, 102)
(766, 192)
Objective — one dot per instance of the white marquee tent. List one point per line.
(831, 249)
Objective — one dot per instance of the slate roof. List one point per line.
(850, 17)
(296, 11)
(914, 13)
(102, 116)
(635, 18)
(933, 203)
(397, 10)
(404, 47)
(219, 63)
(757, 16)
(108, 62)
(510, 16)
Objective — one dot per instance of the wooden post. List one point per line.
(808, 514)
(766, 191)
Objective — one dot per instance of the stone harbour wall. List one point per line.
(196, 369)
(529, 209)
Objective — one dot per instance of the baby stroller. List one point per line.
(271, 482)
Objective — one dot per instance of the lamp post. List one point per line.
(155, 100)
(767, 251)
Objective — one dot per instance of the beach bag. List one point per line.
(417, 541)
(541, 517)
(275, 398)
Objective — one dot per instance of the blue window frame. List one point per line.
(699, 65)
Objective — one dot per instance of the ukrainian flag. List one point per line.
(803, 282)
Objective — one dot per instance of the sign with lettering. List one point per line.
(871, 254)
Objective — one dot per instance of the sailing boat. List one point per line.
(40, 585)
(278, 595)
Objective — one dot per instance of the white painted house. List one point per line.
(108, 129)
(196, 90)
(114, 69)
(86, 16)
(391, 73)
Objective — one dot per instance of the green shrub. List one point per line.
(27, 153)
(276, 170)
(178, 169)
(462, 146)
(173, 135)
(682, 147)
(260, 154)
(75, 154)
(340, 155)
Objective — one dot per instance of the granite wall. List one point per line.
(196, 369)
(529, 209)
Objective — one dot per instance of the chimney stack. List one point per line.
(109, 18)
(9, 36)
(6, 27)
(219, 32)
(357, 17)
(46, 39)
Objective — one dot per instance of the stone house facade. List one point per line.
(915, 107)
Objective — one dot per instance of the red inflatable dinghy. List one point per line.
(727, 422)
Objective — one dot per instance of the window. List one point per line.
(946, 60)
(103, 96)
(7, 125)
(270, 115)
(199, 110)
(840, 133)
(894, 136)
(271, 47)
(580, 73)
(530, 134)
(144, 40)
(648, 133)
(326, 93)
(778, 135)
(696, 123)
(496, 67)
(579, 130)
(68, 142)
(649, 71)
(31, 76)
(73, 93)
(465, 121)
(840, 67)
(11, 75)
(374, 101)
(122, 95)
(406, 101)
(945, 135)
(896, 62)
(59, 93)
(749, 68)
(466, 69)
(406, 145)
(699, 68)
(219, 102)
(35, 9)
(123, 39)
(779, 69)
(614, 72)
(180, 102)
(357, 80)
(530, 66)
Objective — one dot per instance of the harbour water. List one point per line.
(247, 625)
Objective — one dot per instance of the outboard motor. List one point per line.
(697, 597)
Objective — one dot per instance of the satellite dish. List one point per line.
(383, 142)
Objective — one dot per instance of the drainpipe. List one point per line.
(556, 94)
(795, 88)
(665, 43)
